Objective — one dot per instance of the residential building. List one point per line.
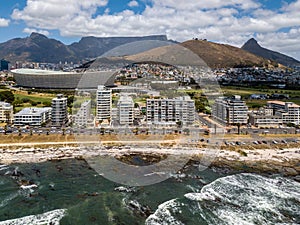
(4, 65)
(104, 103)
(265, 117)
(6, 112)
(288, 111)
(171, 111)
(59, 115)
(32, 116)
(83, 116)
(125, 113)
(230, 110)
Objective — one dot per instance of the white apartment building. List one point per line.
(32, 116)
(83, 116)
(288, 111)
(59, 114)
(104, 103)
(170, 111)
(125, 110)
(6, 112)
(265, 117)
(230, 110)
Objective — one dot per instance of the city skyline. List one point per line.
(275, 24)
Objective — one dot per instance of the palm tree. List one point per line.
(239, 128)
(5, 129)
(136, 131)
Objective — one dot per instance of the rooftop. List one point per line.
(290, 104)
(39, 72)
(33, 111)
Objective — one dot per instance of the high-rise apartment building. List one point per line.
(104, 103)
(125, 110)
(230, 110)
(83, 116)
(171, 111)
(4, 65)
(59, 114)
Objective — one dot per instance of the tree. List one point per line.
(179, 124)
(5, 129)
(7, 96)
(17, 102)
(47, 104)
(70, 101)
(7, 117)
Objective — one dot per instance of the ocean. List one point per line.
(71, 192)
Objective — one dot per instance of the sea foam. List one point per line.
(48, 218)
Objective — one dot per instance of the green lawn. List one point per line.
(252, 90)
(34, 98)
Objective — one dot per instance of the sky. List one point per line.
(275, 24)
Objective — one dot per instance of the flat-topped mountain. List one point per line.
(253, 47)
(39, 48)
(91, 47)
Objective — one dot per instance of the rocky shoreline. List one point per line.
(283, 161)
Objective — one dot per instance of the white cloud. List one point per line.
(4, 22)
(31, 30)
(133, 4)
(284, 42)
(231, 21)
(54, 14)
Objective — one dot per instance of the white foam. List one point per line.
(52, 217)
(26, 187)
(246, 199)
(163, 215)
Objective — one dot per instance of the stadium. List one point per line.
(47, 79)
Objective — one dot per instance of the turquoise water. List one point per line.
(70, 192)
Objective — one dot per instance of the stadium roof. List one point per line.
(39, 72)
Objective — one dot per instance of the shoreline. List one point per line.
(281, 160)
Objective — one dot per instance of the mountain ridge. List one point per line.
(252, 46)
(40, 48)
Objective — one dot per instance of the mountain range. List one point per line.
(39, 48)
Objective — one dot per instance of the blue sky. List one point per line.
(274, 23)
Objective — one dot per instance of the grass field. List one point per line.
(37, 97)
(245, 92)
(28, 99)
